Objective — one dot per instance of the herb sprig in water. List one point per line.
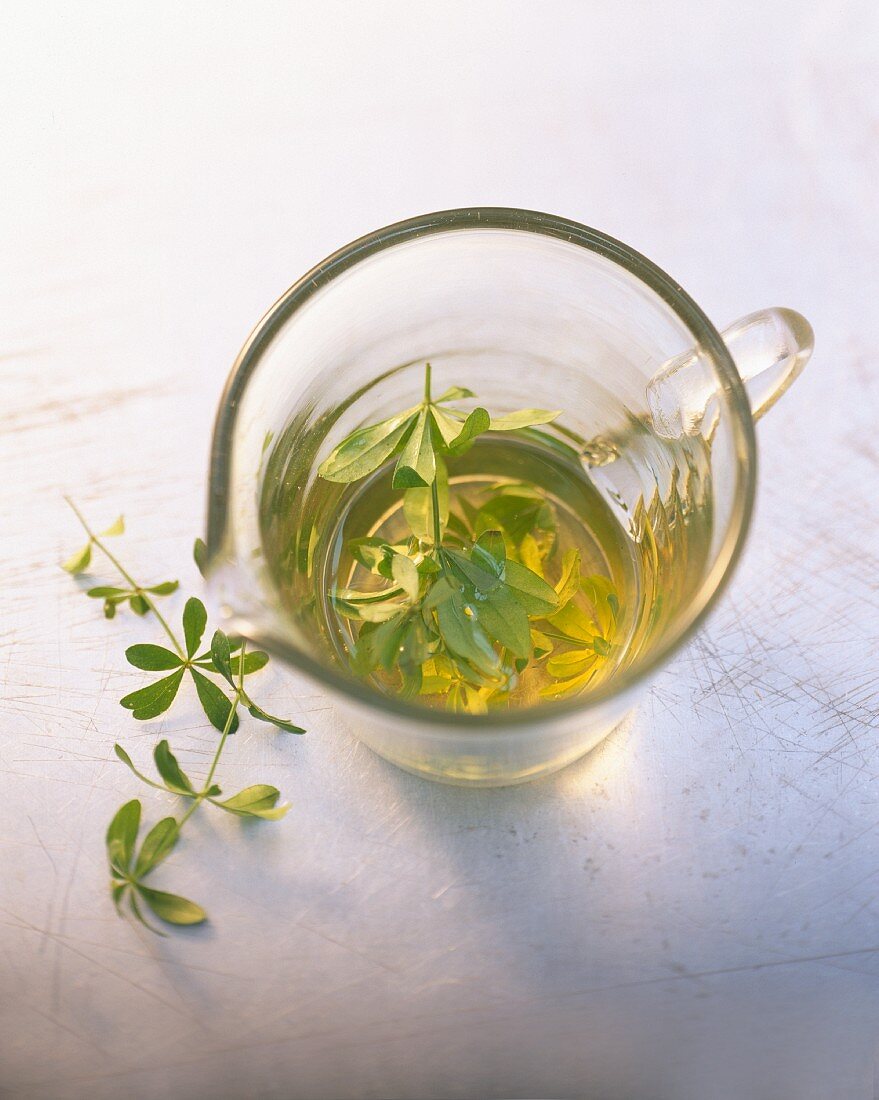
(466, 606)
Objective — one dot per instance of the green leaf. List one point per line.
(254, 660)
(257, 801)
(476, 423)
(152, 658)
(380, 647)
(79, 562)
(417, 462)
(569, 582)
(138, 605)
(505, 620)
(117, 527)
(418, 505)
(447, 424)
(532, 592)
(405, 574)
(214, 702)
(174, 777)
(165, 588)
(574, 623)
(103, 591)
(122, 834)
(524, 418)
(464, 637)
(473, 573)
(126, 759)
(368, 552)
(195, 619)
(490, 552)
(171, 908)
(117, 892)
(263, 716)
(454, 393)
(601, 646)
(154, 699)
(157, 845)
(221, 656)
(367, 448)
(541, 642)
(200, 555)
(109, 609)
(564, 688)
(571, 663)
(601, 593)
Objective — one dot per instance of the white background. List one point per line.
(691, 911)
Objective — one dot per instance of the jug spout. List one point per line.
(770, 349)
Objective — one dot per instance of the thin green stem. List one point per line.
(437, 526)
(233, 706)
(427, 383)
(95, 539)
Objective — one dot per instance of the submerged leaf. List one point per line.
(524, 418)
(416, 465)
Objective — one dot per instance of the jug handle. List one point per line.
(769, 348)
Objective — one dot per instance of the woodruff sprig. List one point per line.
(228, 659)
(467, 606)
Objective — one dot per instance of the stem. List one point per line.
(202, 794)
(437, 527)
(427, 383)
(127, 577)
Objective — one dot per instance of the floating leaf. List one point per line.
(532, 592)
(505, 621)
(464, 637)
(524, 418)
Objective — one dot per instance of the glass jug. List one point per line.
(529, 310)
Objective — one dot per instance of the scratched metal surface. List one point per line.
(691, 911)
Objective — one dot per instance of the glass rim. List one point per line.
(706, 338)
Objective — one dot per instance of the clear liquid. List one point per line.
(637, 507)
